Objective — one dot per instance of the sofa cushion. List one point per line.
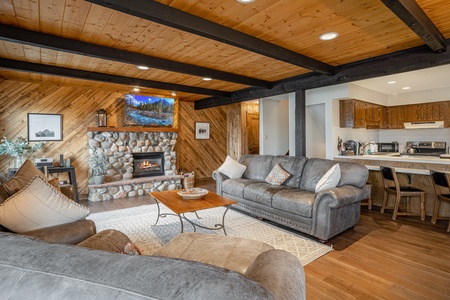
(258, 166)
(236, 187)
(262, 192)
(22, 177)
(292, 164)
(200, 247)
(55, 271)
(232, 168)
(295, 201)
(330, 179)
(39, 205)
(278, 175)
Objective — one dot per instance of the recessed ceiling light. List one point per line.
(245, 1)
(136, 89)
(406, 88)
(328, 36)
(142, 67)
(392, 82)
(174, 94)
(207, 78)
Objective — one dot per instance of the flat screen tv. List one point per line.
(149, 110)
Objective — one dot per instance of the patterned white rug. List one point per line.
(138, 224)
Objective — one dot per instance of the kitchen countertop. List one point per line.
(397, 157)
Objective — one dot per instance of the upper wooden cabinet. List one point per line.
(373, 115)
(359, 114)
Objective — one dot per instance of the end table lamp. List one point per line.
(101, 118)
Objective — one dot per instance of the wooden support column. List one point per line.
(300, 130)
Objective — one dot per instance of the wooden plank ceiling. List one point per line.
(77, 34)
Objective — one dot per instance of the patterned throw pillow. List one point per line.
(278, 175)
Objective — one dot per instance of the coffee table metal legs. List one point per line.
(216, 226)
(195, 225)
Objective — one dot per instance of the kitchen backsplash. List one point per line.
(388, 135)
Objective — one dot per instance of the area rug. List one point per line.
(138, 224)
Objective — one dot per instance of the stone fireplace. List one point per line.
(138, 162)
(148, 164)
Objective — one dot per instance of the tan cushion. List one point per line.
(22, 177)
(227, 252)
(39, 205)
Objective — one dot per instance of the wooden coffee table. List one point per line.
(180, 206)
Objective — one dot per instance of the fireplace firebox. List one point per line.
(148, 164)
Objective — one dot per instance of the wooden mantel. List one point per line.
(131, 129)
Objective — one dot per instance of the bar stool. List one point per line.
(368, 202)
(389, 177)
(441, 181)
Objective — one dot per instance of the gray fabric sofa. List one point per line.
(31, 268)
(295, 203)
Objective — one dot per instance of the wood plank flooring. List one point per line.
(378, 259)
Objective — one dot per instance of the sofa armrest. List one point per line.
(280, 272)
(342, 196)
(69, 233)
(219, 178)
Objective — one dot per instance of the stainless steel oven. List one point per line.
(425, 148)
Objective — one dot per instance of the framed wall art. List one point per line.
(201, 131)
(152, 111)
(44, 127)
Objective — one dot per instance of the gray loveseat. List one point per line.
(295, 203)
(192, 266)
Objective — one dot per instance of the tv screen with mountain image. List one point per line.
(149, 110)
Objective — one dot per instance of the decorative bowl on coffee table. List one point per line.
(192, 194)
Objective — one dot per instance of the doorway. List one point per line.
(252, 120)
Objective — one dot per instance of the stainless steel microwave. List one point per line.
(388, 147)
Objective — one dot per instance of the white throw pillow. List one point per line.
(39, 205)
(330, 179)
(232, 168)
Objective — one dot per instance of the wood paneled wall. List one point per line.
(78, 105)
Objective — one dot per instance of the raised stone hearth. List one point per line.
(133, 187)
(119, 147)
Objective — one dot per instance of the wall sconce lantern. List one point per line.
(101, 118)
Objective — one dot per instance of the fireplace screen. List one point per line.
(148, 164)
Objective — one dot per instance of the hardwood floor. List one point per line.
(378, 259)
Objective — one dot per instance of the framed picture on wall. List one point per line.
(44, 127)
(201, 130)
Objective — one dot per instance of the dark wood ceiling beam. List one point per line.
(18, 35)
(415, 18)
(398, 62)
(169, 16)
(17, 65)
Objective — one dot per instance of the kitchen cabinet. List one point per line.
(359, 114)
(352, 113)
(392, 117)
(373, 115)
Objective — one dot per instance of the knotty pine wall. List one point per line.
(78, 106)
